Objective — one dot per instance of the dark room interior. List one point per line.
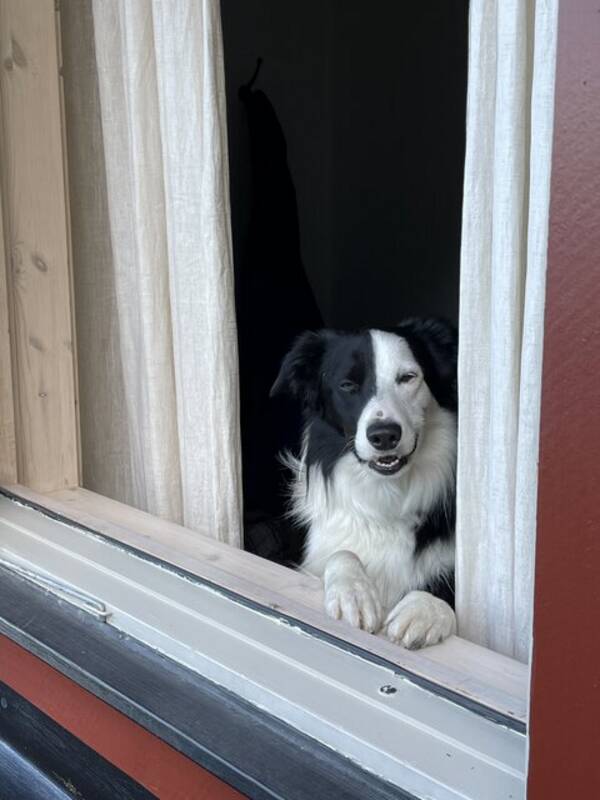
(368, 104)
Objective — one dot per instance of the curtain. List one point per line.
(153, 273)
(503, 264)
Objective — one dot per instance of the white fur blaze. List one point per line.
(420, 620)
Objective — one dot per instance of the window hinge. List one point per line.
(65, 591)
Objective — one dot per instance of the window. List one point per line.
(41, 463)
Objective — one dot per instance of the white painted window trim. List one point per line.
(414, 737)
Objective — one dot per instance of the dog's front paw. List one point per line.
(420, 619)
(355, 601)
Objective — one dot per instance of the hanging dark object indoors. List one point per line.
(275, 304)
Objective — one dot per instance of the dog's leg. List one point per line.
(349, 594)
(420, 619)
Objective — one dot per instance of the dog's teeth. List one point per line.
(387, 461)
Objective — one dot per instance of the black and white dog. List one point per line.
(375, 482)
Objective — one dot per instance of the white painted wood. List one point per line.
(414, 738)
(481, 675)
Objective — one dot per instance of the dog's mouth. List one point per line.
(391, 464)
(388, 465)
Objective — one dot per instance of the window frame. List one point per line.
(413, 734)
(488, 683)
(43, 472)
(45, 469)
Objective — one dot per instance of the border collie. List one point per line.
(375, 482)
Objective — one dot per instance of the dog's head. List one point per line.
(370, 392)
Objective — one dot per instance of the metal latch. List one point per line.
(65, 591)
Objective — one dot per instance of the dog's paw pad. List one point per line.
(420, 620)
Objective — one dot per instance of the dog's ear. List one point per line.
(434, 343)
(300, 370)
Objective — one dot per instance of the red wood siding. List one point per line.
(565, 700)
(147, 759)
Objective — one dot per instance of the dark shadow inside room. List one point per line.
(346, 160)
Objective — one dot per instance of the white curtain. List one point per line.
(503, 266)
(145, 102)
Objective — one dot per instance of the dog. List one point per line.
(375, 480)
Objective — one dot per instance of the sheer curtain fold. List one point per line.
(503, 263)
(154, 277)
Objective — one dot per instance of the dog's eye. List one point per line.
(349, 386)
(405, 377)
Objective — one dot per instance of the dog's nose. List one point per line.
(384, 435)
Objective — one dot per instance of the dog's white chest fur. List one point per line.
(384, 547)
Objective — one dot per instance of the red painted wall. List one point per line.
(147, 759)
(565, 700)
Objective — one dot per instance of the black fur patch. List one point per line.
(442, 587)
(434, 343)
(438, 525)
(333, 376)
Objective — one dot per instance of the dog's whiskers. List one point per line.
(348, 446)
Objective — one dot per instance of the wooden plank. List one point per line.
(39, 283)
(263, 580)
(8, 453)
(487, 678)
(68, 222)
